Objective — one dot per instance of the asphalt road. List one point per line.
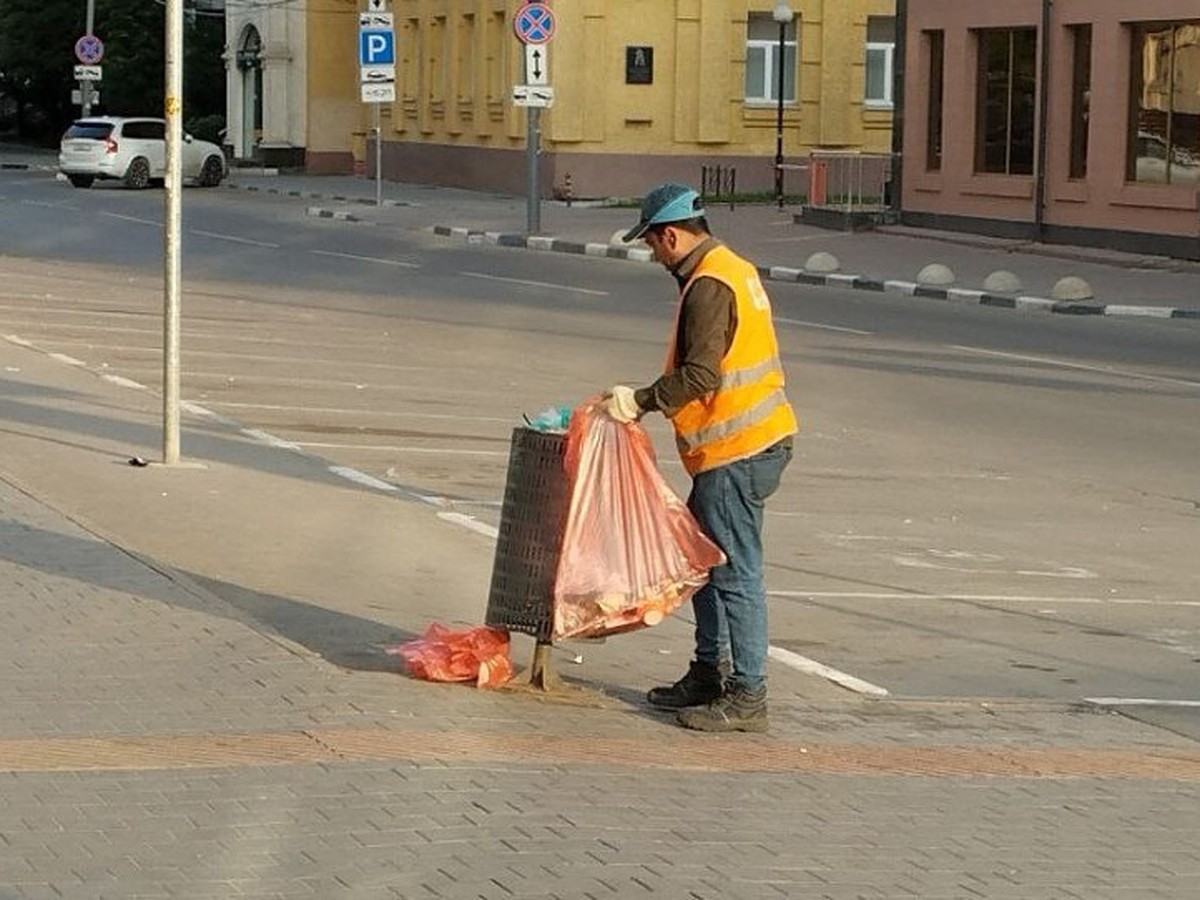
(984, 503)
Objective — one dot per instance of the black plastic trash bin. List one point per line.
(532, 521)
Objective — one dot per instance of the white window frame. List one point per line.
(771, 71)
(889, 55)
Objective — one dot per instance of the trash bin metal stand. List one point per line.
(532, 520)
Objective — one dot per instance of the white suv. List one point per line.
(133, 150)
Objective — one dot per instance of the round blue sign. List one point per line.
(89, 50)
(534, 23)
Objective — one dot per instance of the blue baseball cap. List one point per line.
(666, 203)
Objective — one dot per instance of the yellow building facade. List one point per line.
(643, 91)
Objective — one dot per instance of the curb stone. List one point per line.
(320, 213)
(313, 195)
(537, 242)
(836, 279)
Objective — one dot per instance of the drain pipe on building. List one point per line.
(899, 54)
(1039, 196)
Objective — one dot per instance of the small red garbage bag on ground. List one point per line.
(632, 552)
(472, 654)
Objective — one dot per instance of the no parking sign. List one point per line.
(534, 23)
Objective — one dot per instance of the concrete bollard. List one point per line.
(1002, 281)
(1072, 287)
(822, 263)
(936, 274)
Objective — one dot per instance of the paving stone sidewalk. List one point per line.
(160, 741)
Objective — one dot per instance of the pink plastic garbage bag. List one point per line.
(477, 654)
(632, 552)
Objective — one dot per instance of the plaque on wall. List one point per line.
(639, 65)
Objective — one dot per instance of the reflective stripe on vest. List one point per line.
(747, 412)
(759, 413)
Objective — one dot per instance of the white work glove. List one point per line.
(621, 405)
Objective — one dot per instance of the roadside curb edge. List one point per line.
(834, 279)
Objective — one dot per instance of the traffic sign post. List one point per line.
(377, 72)
(89, 50)
(534, 26)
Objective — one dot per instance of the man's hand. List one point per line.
(621, 405)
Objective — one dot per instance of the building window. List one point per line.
(762, 59)
(1164, 134)
(1081, 95)
(881, 43)
(1006, 87)
(935, 46)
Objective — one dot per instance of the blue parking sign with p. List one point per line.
(377, 47)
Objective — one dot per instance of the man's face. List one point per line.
(663, 241)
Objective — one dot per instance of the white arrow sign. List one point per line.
(537, 59)
(88, 73)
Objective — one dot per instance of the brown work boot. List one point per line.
(736, 710)
(702, 684)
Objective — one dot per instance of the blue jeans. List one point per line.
(732, 607)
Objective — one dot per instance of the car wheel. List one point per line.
(138, 173)
(81, 181)
(211, 173)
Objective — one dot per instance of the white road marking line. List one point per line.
(69, 360)
(269, 439)
(803, 324)
(1063, 364)
(45, 204)
(157, 331)
(386, 448)
(470, 522)
(362, 478)
(90, 313)
(542, 284)
(372, 259)
(1141, 701)
(196, 409)
(373, 413)
(812, 667)
(260, 358)
(235, 240)
(134, 219)
(982, 598)
(124, 382)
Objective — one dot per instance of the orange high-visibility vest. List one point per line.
(748, 411)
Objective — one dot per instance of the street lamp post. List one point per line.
(782, 14)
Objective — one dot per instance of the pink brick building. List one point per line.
(1072, 121)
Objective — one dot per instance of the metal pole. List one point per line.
(533, 201)
(378, 158)
(85, 87)
(171, 217)
(779, 120)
